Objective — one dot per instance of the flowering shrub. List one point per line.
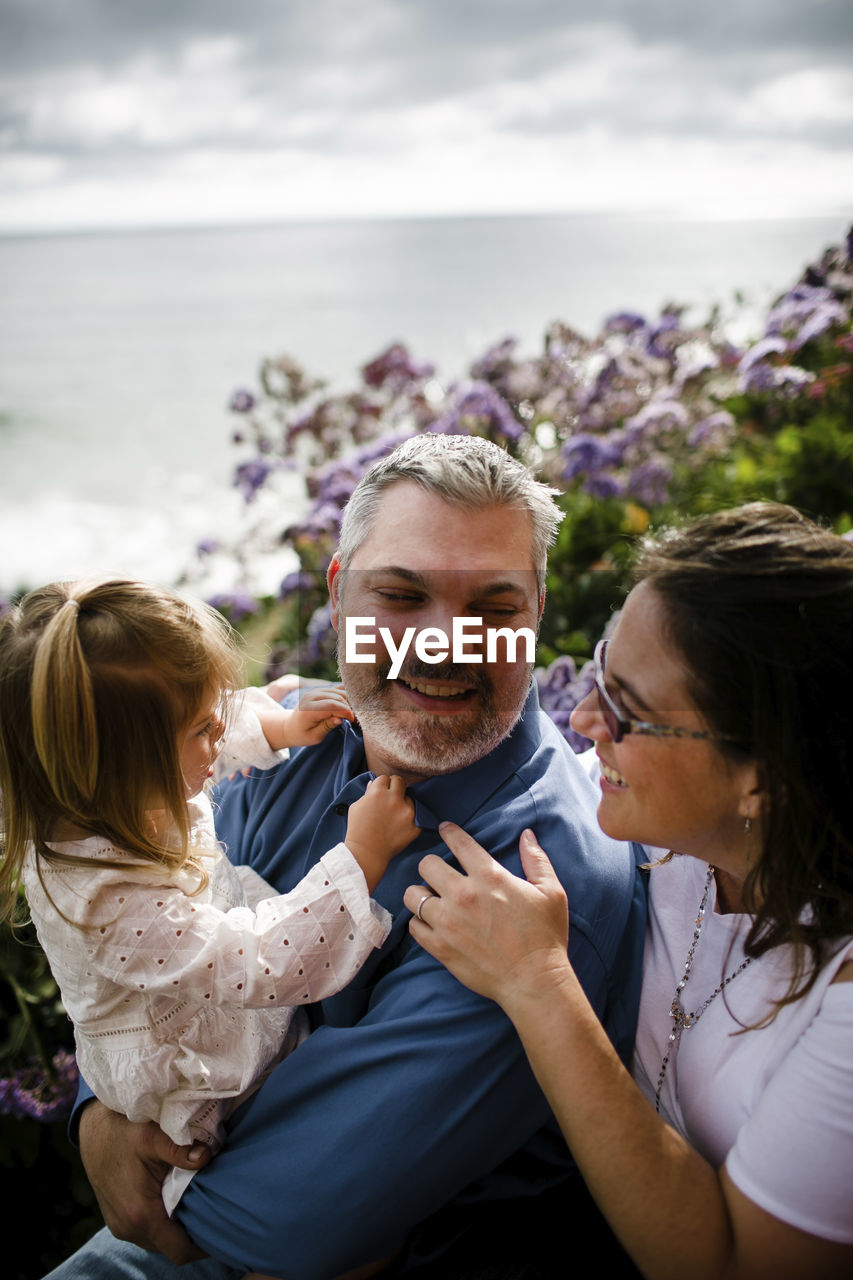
(650, 421)
(38, 1085)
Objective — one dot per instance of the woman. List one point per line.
(721, 722)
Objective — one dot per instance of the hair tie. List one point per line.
(72, 601)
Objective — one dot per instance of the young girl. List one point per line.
(118, 701)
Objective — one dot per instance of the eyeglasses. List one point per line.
(619, 724)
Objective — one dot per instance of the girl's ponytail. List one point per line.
(64, 721)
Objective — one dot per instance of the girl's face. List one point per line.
(200, 744)
(672, 793)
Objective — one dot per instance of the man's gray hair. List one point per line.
(465, 471)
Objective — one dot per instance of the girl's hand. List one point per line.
(504, 937)
(316, 714)
(380, 825)
(290, 683)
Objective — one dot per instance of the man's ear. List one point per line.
(541, 605)
(333, 582)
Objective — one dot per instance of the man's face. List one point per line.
(425, 562)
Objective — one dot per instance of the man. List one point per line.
(411, 1092)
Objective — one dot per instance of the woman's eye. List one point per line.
(626, 712)
(616, 699)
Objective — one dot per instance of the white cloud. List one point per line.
(587, 170)
(393, 113)
(810, 95)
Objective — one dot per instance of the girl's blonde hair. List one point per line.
(97, 681)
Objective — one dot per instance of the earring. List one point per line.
(747, 831)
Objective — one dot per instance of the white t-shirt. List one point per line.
(775, 1104)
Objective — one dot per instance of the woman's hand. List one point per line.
(504, 937)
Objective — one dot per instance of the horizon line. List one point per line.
(269, 223)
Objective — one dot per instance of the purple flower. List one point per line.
(660, 342)
(787, 379)
(334, 485)
(36, 1094)
(494, 362)
(584, 452)
(242, 401)
(663, 414)
(797, 306)
(237, 604)
(713, 432)
(299, 580)
(376, 449)
(320, 635)
(322, 522)
(561, 687)
(649, 482)
(604, 486)
(252, 476)
(773, 344)
(791, 380)
(394, 369)
(553, 680)
(761, 377)
(479, 409)
(821, 319)
(624, 322)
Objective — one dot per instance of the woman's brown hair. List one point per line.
(759, 602)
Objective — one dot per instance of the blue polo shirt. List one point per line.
(411, 1091)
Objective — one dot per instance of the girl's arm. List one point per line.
(295, 948)
(262, 730)
(675, 1214)
(318, 711)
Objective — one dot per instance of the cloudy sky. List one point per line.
(131, 112)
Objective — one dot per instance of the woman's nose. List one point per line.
(587, 720)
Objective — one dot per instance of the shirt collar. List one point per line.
(454, 797)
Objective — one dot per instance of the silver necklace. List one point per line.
(681, 1020)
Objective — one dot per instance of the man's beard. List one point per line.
(417, 741)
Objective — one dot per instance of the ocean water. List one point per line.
(119, 352)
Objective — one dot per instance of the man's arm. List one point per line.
(366, 1130)
(128, 1189)
(355, 1138)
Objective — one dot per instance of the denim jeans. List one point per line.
(105, 1258)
